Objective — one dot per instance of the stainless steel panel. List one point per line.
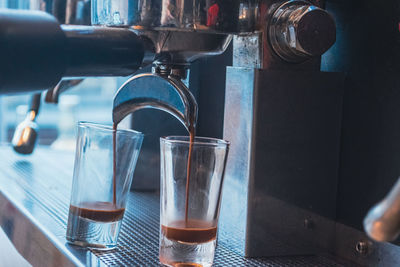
(282, 170)
(238, 130)
(354, 245)
(248, 51)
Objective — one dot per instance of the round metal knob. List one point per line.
(299, 30)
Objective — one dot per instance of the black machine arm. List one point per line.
(36, 51)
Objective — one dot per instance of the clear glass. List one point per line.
(190, 239)
(97, 207)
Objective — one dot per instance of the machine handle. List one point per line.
(26, 133)
(36, 52)
(35, 103)
(31, 51)
(101, 51)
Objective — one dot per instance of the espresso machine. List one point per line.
(283, 103)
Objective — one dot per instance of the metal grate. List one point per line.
(138, 242)
(48, 189)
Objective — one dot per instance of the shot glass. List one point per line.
(190, 203)
(98, 198)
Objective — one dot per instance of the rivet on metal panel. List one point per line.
(364, 247)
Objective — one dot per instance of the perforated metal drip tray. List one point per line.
(139, 241)
(39, 187)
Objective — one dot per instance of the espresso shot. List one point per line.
(192, 231)
(97, 211)
(192, 172)
(104, 165)
(93, 222)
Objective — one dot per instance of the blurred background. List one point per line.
(91, 100)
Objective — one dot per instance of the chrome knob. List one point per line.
(299, 30)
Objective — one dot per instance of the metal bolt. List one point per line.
(363, 247)
(161, 69)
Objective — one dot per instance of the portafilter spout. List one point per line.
(162, 89)
(382, 222)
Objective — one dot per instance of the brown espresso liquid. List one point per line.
(192, 231)
(188, 169)
(115, 126)
(98, 211)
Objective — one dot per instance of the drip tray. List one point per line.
(34, 201)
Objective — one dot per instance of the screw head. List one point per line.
(363, 247)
